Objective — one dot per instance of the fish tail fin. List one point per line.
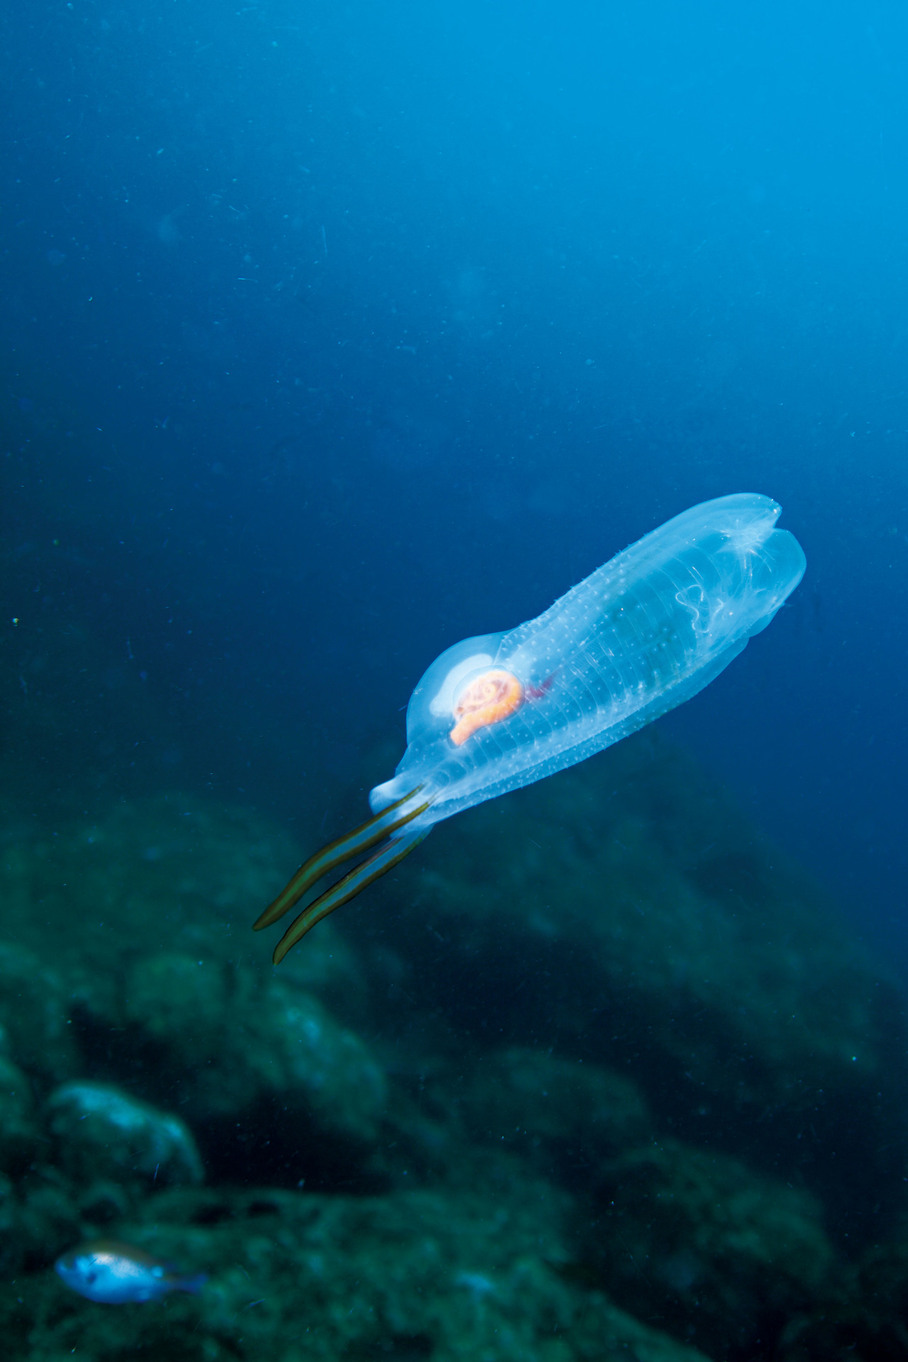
(192, 1284)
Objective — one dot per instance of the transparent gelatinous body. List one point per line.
(640, 635)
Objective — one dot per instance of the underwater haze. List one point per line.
(335, 332)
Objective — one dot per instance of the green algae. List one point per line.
(604, 1077)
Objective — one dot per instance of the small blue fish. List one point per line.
(117, 1274)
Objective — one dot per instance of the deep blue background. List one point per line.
(333, 333)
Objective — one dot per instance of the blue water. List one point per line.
(333, 333)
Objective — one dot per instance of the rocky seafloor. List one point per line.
(597, 1074)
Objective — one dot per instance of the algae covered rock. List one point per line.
(591, 1054)
(19, 1128)
(625, 913)
(104, 1133)
(172, 873)
(538, 1099)
(35, 1014)
(228, 1041)
(181, 1002)
(451, 1276)
(304, 1057)
(724, 1248)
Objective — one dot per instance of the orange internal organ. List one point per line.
(488, 699)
